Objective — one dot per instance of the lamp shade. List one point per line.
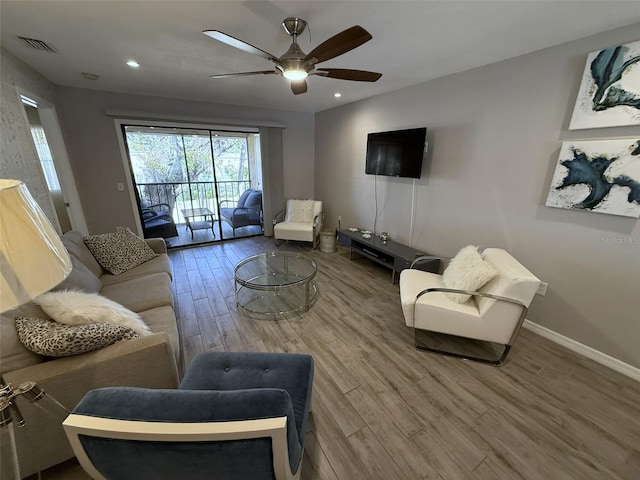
(32, 257)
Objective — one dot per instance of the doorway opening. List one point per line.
(46, 161)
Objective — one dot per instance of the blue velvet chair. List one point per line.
(234, 416)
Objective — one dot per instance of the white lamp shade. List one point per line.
(32, 257)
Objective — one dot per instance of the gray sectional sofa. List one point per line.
(150, 361)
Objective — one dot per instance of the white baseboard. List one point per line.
(585, 351)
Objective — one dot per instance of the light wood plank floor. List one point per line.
(382, 410)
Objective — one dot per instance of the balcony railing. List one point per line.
(182, 195)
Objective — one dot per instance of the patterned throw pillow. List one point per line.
(120, 251)
(53, 339)
(467, 271)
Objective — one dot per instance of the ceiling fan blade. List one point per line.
(239, 44)
(244, 74)
(338, 44)
(298, 87)
(348, 74)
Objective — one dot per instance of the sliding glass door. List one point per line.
(187, 176)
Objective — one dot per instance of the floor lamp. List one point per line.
(32, 261)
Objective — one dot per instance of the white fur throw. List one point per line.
(72, 307)
(467, 271)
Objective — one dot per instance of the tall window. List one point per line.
(46, 159)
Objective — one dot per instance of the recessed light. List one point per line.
(337, 94)
(133, 64)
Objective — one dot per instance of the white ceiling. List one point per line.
(413, 41)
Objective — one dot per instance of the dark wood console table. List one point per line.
(392, 255)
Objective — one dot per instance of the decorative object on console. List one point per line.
(609, 95)
(120, 251)
(600, 176)
(467, 271)
(32, 260)
(72, 307)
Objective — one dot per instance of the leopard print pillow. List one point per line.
(120, 251)
(53, 339)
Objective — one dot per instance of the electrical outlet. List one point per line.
(542, 289)
(339, 218)
(120, 186)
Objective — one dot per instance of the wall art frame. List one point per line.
(609, 94)
(601, 176)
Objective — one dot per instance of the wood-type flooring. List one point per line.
(383, 411)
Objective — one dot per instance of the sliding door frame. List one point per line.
(120, 123)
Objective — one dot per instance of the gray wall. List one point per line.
(92, 145)
(19, 159)
(494, 136)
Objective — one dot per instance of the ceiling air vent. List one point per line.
(37, 44)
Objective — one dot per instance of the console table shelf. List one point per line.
(392, 255)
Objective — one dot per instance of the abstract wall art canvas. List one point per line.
(599, 176)
(609, 94)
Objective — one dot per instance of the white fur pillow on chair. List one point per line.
(467, 271)
(72, 307)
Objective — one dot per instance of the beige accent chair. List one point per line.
(302, 221)
(494, 313)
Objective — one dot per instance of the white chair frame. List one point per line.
(273, 428)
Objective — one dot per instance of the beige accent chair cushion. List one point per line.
(302, 221)
(479, 318)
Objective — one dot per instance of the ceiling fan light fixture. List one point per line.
(295, 74)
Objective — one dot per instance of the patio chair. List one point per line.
(247, 211)
(158, 222)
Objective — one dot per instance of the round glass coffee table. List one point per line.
(275, 284)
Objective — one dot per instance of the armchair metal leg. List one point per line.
(495, 362)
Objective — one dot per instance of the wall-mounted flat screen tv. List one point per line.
(397, 153)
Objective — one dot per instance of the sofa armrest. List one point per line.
(144, 362)
(158, 245)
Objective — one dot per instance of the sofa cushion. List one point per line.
(467, 271)
(159, 264)
(254, 200)
(120, 251)
(53, 339)
(79, 308)
(143, 293)
(74, 243)
(243, 197)
(163, 320)
(80, 278)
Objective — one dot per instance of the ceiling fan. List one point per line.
(295, 65)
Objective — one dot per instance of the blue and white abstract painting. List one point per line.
(599, 176)
(609, 94)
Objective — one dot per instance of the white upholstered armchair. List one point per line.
(492, 311)
(302, 220)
